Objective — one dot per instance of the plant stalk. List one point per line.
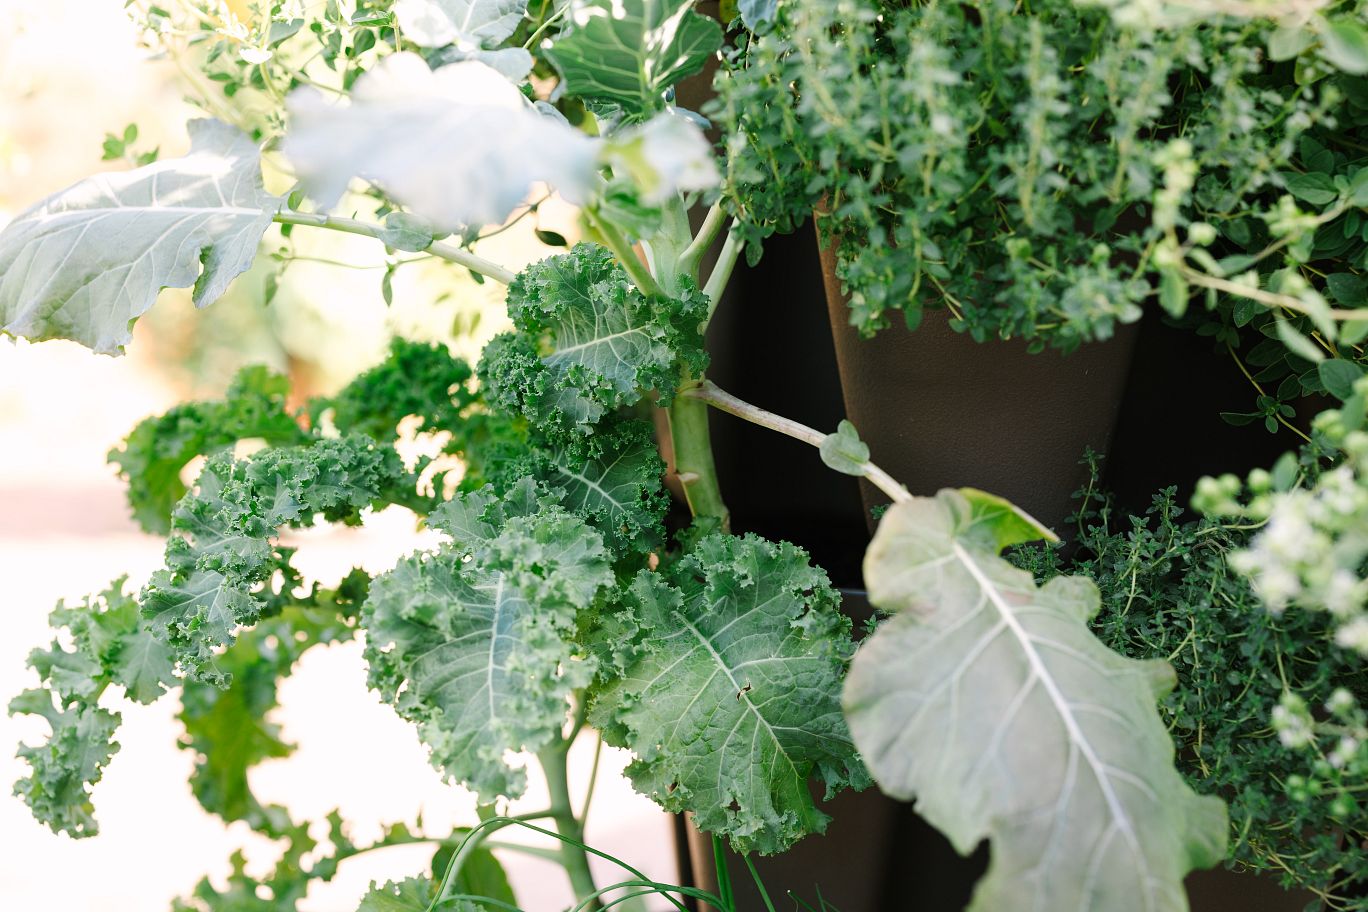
(693, 458)
(573, 858)
(449, 252)
(709, 392)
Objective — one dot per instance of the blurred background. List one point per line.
(71, 72)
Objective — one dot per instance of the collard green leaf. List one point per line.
(159, 448)
(62, 770)
(459, 146)
(727, 689)
(476, 641)
(85, 263)
(629, 52)
(989, 702)
(466, 23)
(588, 342)
(221, 553)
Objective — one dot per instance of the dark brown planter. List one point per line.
(941, 410)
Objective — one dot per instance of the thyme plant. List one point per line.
(1041, 173)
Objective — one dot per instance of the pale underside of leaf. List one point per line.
(466, 23)
(88, 261)
(993, 706)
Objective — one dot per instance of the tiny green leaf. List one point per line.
(844, 451)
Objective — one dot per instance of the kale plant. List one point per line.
(1042, 173)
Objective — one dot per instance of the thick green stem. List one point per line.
(693, 458)
(573, 857)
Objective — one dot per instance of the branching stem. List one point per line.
(707, 233)
(709, 392)
(623, 250)
(449, 252)
(721, 274)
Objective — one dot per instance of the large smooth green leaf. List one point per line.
(475, 642)
(988, 701)
(727, 688)
(85, 263)
(628, 52)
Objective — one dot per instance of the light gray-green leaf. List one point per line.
(989, 702)
(469, 24)
(88, 261)
(844, 451)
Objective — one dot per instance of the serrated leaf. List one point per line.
(467, 23)
(158, 449)
(613, 481)
(990, 702)
(1339, 376)
(588, 342)
(85, 263)
(628, 52)
(221, 553)
(62, 769)
(844, 451)
(475, 642)
(727, 690)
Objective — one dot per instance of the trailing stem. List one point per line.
(708, 392)
(449, 252)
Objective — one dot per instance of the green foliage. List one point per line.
(989, 701)
(627, 53)
(612, 481)
(195, 222)
(1169, 592)
(723, 677)
(476, 642)
(221, 555)
(61, 771)
(1025, 171)
(110, 644)
(588, 343)
(159, 448)
(228, 729)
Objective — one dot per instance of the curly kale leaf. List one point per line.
(612, 480)
(110, 644)
(229, 729)
(588, 342)
(726, 686)
(629, 52)
(416, 379)
(62, 770)
(221, 554)
(158, 449)
(476, 642)
(989, 701)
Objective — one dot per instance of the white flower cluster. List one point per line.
(1313, 549)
